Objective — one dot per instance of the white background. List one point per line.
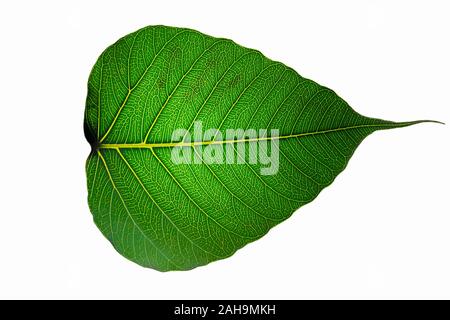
(382, 230)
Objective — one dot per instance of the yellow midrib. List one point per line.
(143, 145)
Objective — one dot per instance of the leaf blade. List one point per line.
(177, 217)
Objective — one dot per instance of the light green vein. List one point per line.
(159, 207)
(245, 140)
(135, 86)
(193, 201)
(176, 87)
(129, 213)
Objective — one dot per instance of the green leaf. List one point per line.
(170, 216)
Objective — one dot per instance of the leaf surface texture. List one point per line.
(177, 217)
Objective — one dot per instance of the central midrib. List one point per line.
(143, 145)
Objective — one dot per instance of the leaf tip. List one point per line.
(410, 123)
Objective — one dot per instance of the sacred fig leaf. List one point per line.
(200, 146)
